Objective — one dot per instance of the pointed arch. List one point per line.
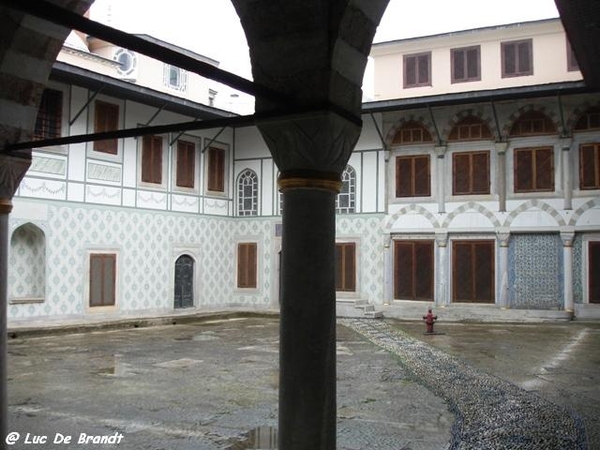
(345, 201)
(532, 120)
(247, 193)
(27, 263)
(411, 130)
(474, 206)
(535, 203)
(585, 118)
(590, 204)
(387, 226)
(469, 125)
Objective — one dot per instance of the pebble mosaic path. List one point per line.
(490, 413)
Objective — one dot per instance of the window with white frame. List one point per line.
(175, 78)
(345, 202)
(248, 193)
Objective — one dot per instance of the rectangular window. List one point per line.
(102, 279)
(345, 267)
(49, 118)
(470, 173)
(589, 166)
(413, 176)
(216, 169)
(152, 159)
(517, 58)
(473, 271)
(534, 169)
(466, 65)
(413, 270)
(186, 164)
(246, 265)
(106, 118)
(417, 70)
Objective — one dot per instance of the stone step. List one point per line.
(374, 314)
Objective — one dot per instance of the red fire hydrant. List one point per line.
(429, 320)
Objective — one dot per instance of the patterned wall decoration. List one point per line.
(578, 268)
(535, 271)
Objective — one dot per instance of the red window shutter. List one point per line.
(544, 169)
(480, 169)
(461, 173)
(106, 118)
(589, 166)
(403, 176)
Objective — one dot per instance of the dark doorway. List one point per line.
(473, 271)
(413, 270)
(184, 282)
(593, 271)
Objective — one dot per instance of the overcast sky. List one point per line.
(212, 28)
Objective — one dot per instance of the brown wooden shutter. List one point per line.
(186, 164)
(544, 169)
(410, 71)
(102, 279)
(593, 271)
(461, 173)
(423, 69)
(509, 59)
(403, 270)
(48, 123)
(152, 159)
(472, 63)
(403, 176)
(458, 60)
(473, 271)
(413, 270)
(106, 118)
(345, 267)
(247, 265)
(423, 270)
(524, 57)
(483, 282)
(480, 170)
(216, 169)
(462, 269)
(523, 170)
(422, 177)
(589, 166)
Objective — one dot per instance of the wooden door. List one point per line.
(184, 282)
(473, 271)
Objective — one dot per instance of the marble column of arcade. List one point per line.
(315, 52)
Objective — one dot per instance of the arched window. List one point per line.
(532, 123)
(470, 128)
(248, 193)
(412, 132)
(345, 202)
(27, 279)
(589, 120)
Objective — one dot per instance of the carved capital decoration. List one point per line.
(567, 234)
(12, 171)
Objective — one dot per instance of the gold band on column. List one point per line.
(5, 206)
(310, 180)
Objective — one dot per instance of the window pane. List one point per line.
(459, 64)
(509, 59)
(423, 68)
(410, 71)
(524, 58)
(108, 287)
(472, 63)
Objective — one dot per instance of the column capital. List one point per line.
(567, 234)
(503, 236)
(319, 141)
(441, 238)
(501, 147)
(565, 143)
(12, 171)
(440, 150)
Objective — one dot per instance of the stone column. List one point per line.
(440, 153)
(12, 170)
(565, 146)
(501, 174)
(442, 270)
(388, 271)
(567, 234)
(311, 155)
(503, 241)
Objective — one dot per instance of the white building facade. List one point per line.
(475, 186)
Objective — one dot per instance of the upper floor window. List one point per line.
(572, 64)
(248, 193)
(175, 78)
(127, 62)
(466, 64)
(471, 173)
(588, 121)
(413, 176)
(186, 164)
(106, 118)
(534, 169)
(412, 132)
(346, 199)
(216, 169)
(152, 159)
(589, 166)
(470, 129)
(532, 123)
(417, 70)
(517, 58)
(49, 119)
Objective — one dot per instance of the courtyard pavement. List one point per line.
(212, 384)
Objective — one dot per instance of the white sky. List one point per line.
(212, 28)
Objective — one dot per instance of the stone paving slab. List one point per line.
(490, 413)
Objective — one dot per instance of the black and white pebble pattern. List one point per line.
(490, 413)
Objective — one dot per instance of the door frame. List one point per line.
(194, 253)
